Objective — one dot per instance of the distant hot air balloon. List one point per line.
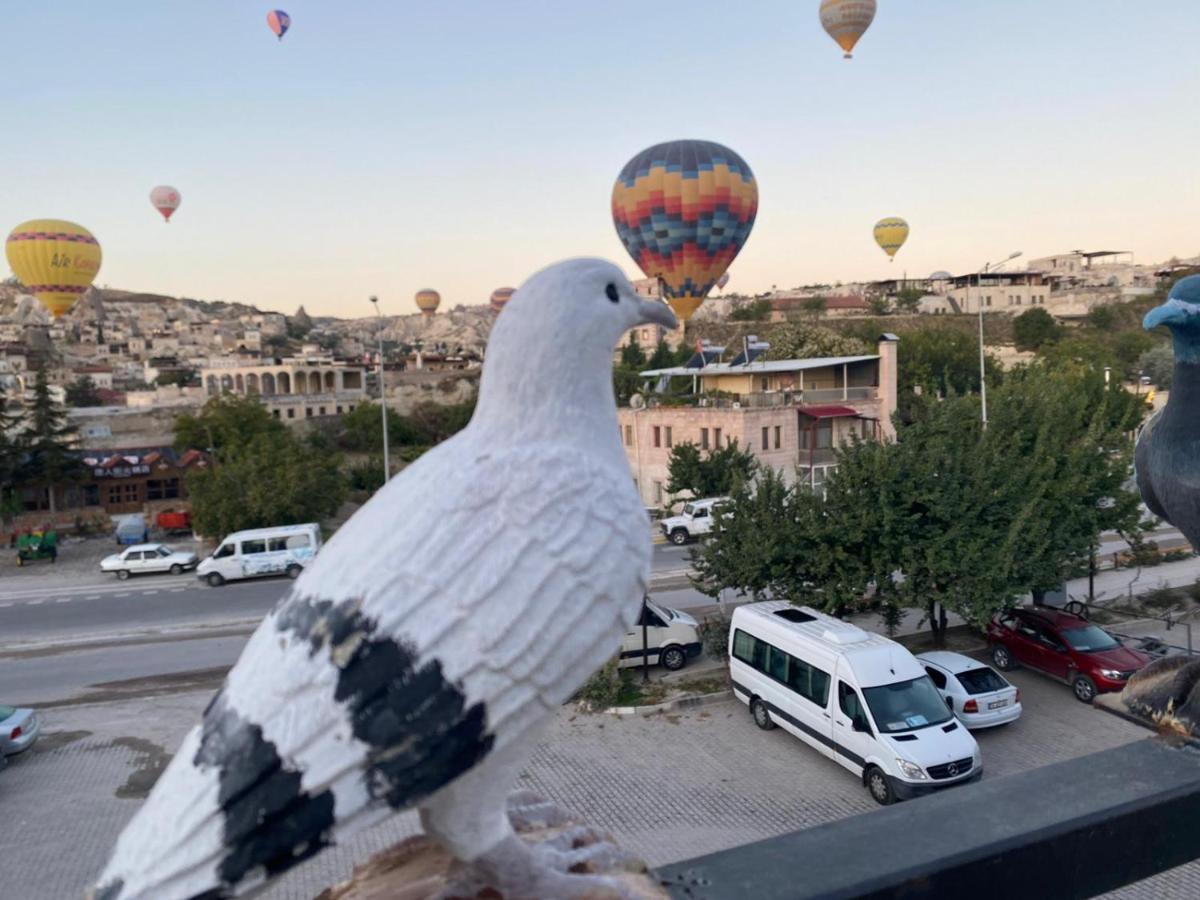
(684, 210)
(847, 20)
(500, 298)
(279, 22)
(428, 301)
(722, 281)
(890, 234)
(166, 200)
(55, 260)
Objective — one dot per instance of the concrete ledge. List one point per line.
(689, 701)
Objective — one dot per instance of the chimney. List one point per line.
(888, 346)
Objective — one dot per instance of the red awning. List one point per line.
(829, 412)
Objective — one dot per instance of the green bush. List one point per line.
(714, 634)
(603, 688)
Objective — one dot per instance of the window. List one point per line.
(628, 435)
(275, 413)
(291, 414)
(980, 681)
(938, 679)
(321, 410)
(778, 433)
(906, 705)
(165, 489)
(163, 552)
(649, 618)
(91, 495)
(296, 541)
(670, 441)
(274, 545)
(817, 435)
(808, 681)
(1089, 638)
(717, 437)
(657, 436)
(114, 494)
(224, 550)
(777, 664)
(850, 704)
(750, 650)
(658, 492)
(703, 438)
(339, 410)
(766, 438)
(249, 547)
(308, 412)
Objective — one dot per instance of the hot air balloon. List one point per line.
(279, 22)
(722, 281)
(428, 301)
(500, 298)
(684, 210)
(890, 234)
(847, 20)
(166, 200)
(55, 260)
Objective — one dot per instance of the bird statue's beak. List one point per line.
(658, 313)
(1173, 312)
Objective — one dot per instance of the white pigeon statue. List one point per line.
(417, 659)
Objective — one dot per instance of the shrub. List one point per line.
(1193, 590)
(715, 636)
(1160, 598)
(603, 688)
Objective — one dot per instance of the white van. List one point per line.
(262, 551)
(859, 698)
(672, 638)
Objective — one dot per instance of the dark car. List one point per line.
(1065, 647)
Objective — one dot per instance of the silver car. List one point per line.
(19, 728)
(147, 558)
(975, 692)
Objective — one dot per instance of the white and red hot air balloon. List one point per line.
(166, 200)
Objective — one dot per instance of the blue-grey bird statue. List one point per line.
(1167, 458)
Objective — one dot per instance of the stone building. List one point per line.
(292, 388)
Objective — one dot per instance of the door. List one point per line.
(1053, 655)
(701, 522)
(134, 561)
(224, 561)
(156, 560)
(1026, 644)
(631, 646)
(853, 736)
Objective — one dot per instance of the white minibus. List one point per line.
(285, 550)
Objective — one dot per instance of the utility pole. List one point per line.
(387, 466)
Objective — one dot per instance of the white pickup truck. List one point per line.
(695, 520)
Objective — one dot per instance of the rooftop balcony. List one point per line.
(767, 400)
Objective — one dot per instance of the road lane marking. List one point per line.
(150, 592)
(92, 597)
(126, 594)
(63, 600)
(34, 602)
(5, 605)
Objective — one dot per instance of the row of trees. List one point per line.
(950, 516)
(35, 449)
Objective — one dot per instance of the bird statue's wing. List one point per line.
(472, 596)
(1141, 465)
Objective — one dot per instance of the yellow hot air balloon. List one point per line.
(847, 20)
(55, 260)
(890, 234)
(428, 301)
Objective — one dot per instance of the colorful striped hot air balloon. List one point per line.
(847, 20)
(890, 234)
(279, 22)
(166, 200)
(55, 260)
(500, 298)
(428, 300)
(684, 210)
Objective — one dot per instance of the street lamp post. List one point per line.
(387, 466)
(982, 369)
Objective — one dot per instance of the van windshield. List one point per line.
(689, 509)
(906, 705)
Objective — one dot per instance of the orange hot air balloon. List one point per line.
(500, 298)
(846, 21)
(55, 260)
(428, 300)
(166, 200)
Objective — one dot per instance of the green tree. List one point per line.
(943, 361)
(815, 306)
(261, 474)
(82, 392)
(712, 474)
(1035, 327)
(12, 460)
(1159, 364)
(1102, 318)
(804, 340)
(361, 429)
(751, 311)
(433, 423)
(879, 305)
(632, 355)
(909, 300)
(181, 377)
(665, 358)
(49, 439)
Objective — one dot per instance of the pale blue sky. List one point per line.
(385, 146)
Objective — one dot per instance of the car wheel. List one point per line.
(214, 579)
(1084, 688)
(878, 786)
(762, 715)
(679, 537)
(1002, 658)
(293, 571)
(673, 658)
(176, 569)
(123, 574)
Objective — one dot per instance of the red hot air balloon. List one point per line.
(500, 297)
(166, 200)
(279, 22)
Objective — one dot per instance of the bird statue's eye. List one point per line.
(611, 292)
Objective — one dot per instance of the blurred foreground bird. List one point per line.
(1167, 458)
(416, 660)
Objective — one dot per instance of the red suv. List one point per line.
(1064, 646)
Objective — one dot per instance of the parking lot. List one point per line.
(671, 786)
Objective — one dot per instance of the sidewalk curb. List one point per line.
(690, 701)
(193, 631)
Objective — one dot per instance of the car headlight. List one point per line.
(1110, 673)
(910, 770)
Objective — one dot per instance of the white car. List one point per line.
(147, 558)
(975, 692)
(694, 522)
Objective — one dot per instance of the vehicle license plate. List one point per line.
(996, 704)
